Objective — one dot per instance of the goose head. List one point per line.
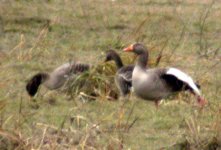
(137, 48)
(140, 50)
(112, 55)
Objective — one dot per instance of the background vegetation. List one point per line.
(41, 35)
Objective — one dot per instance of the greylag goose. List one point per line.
(56, 78)
(158, 83)
(123, 77)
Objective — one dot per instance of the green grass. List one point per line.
(41, 35)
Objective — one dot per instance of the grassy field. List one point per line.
(41, 35)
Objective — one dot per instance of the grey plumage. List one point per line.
(157, 83)
(123, 77)
(56, 78)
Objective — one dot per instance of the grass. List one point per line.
(40, 35)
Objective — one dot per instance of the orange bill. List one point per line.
(129, 48)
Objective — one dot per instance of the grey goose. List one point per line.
(56, 78)
(155, 84)
(123, 77)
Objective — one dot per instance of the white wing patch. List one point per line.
(126, 77)
(184, 77)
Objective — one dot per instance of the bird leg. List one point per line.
(157, 103)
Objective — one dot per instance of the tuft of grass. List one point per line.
(97, 82)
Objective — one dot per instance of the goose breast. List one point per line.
(149, 85)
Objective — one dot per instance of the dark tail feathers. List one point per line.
(33, 84)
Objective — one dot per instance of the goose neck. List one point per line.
(142, 60)
(118, 61)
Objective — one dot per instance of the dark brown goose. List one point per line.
(123, 77)
(56, 78)
(158, 83)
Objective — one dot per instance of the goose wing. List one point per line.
(70, 68)
(179, 79)
(126, 72)
(79, 67)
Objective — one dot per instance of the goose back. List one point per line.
(56, 78)
(61, 74)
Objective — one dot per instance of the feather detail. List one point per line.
(185, 78)
(126, 72)
(34, 83)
